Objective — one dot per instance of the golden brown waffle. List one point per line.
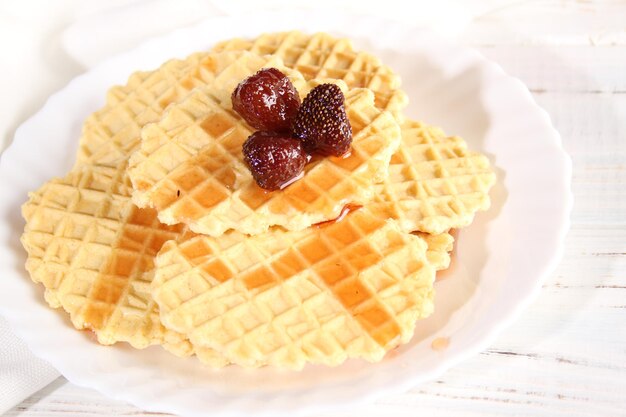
(323, 56)
(90, 248)
(230, 69)
(93, 251)
(435, 183)
(192, 169)
(190, 166)
(113, 132)
(353, 288)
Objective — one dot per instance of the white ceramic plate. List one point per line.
(500, 264)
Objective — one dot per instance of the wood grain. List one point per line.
(566, 355)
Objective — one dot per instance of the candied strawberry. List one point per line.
(322, 123)
(267, 100)
(275, 159)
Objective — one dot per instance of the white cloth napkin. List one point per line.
(21, 373)
(101, 29)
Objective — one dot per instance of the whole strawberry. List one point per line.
(274, 159)
(267, 100)
(321, 122)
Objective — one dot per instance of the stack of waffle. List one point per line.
(159, 234)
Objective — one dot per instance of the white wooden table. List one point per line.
(566, 355)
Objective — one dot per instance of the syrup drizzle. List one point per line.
(139, 240)
(440, 344)
(347, 209)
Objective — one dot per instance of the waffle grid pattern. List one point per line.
(113, 132)
(349, 289)
(91, 247)
(230, 68)
(435, 183)
(192, 169)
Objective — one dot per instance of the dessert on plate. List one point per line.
(265, 202)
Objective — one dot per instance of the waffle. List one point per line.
(441, 192)
(113, 132)
(93, 251)
(233, 67)
(353, 288)
(190, 166)
(323, 56)
(435, 183)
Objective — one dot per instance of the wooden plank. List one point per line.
(551, 22)
(567, 69)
